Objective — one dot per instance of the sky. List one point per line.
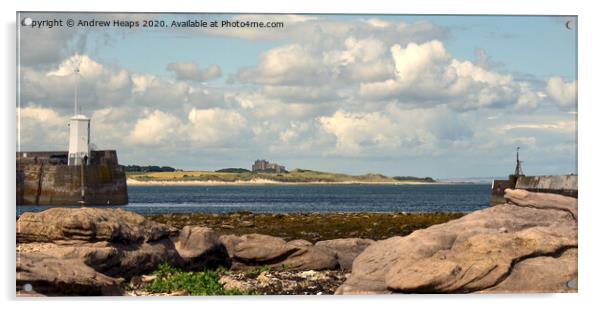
(439, 96)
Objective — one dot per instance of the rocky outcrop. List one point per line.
(486, 250)
(116, 260)
(541, 274)
(111, 243)
(200, 248)
(46, 275)
(88, 224)
(263, 250)
(107, 246)
(347, 249)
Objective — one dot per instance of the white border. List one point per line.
(589, 144)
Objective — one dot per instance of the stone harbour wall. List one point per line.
(43, 183)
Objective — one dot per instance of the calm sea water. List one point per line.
(304, 198)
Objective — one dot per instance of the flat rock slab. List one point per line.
(88, 224)
(474, 253)
(115, 260)
(47, 275)
(253, 250)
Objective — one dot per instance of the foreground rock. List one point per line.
(264, 250)
(200, 248)
(492, 250)
(108, 246)
(105, 243)
(88, 224)
(347, 249)
(46, 275)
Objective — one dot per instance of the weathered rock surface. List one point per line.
(347, 249)
(485, 250)
(264, 250)
(87, 224)
(310, 258)
(48, 275)
(116, 260)
(541, 274)
(542, 200)
(257, 249)
(199, 248)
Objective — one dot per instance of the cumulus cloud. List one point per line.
(42, 128)
(154, 129)
(286, 65)
(192, 72)
(215, 126)
(150, 90)
(328, 89)
(325, 32)
(564, 94)
(333, 54)
(354, 130)
(98, 85)
(426, 74)
(393, 130)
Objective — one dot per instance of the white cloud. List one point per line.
(560, 125)
(98, 85)
(565, 94)
(215, 126)
(330, 89)
(426, 74)
(155, 128)
(192, 72)
(353, 130)
(149, 90)
(41, 127)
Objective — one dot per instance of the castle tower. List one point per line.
(79, 132)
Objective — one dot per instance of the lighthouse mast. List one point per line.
(79, 130)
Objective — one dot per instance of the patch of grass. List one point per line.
(170, 279)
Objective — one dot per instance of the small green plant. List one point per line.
(254, 272)
(170, 279)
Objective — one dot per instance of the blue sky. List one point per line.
(517, 42)
(440, 96)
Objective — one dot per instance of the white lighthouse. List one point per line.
(79, 133)
(79, 139)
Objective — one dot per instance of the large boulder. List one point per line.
(347, 249)
(310, 258)
(199, 248)
(258, 249)
(46, 275)
(263, 250)
(478, 252)
(88, 224)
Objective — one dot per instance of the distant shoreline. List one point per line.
(263, 182)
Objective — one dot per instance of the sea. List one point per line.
(149, 200)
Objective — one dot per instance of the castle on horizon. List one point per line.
(262, 165)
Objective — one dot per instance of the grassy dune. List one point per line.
(294, 176)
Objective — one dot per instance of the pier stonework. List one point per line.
(43, 178)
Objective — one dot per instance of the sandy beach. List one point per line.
(261, 181)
